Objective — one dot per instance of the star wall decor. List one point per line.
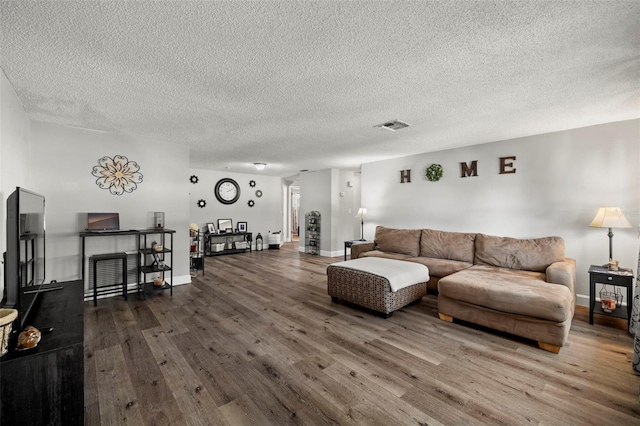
(117, 174)
(252, 183)
(251, 203)
(193, 179)
(202, 203)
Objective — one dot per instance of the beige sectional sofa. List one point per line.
(520, 286)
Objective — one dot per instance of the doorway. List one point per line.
(294, 197)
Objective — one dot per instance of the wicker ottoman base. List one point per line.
(369, 290)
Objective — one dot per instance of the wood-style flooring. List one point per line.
(257, 341)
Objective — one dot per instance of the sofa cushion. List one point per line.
(385, 255)
(404, 241)
(447, 245)
(509, 291)
(440, 267)
(534, 254)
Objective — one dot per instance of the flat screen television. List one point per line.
(25, 255)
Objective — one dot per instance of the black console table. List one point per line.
(227, 243)
(144, 264)
(45, 385)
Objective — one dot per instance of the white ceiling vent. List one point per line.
(393, 125)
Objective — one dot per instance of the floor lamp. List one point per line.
(610, 217)
(362, 215)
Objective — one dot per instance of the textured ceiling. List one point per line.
(301, 85)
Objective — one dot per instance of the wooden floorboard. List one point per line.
(257, 341)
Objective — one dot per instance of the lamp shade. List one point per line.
(610, 217)
(362, 213)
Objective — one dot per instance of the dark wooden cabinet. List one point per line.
(45, 385)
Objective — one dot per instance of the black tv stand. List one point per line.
(44, 289)
(49, 378)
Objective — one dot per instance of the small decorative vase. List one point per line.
(158, 281)
(7, 317)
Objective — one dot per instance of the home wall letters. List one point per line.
(405, 176)
(471, 169)
(504, 165)
(466, 171)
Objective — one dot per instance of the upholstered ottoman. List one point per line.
(383, 285)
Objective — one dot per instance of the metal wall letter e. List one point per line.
(504, 165)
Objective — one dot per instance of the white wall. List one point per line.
(62, 161)
(561, 179)
(266, 214)
(327, 192)
(15, 148)
(315, 195)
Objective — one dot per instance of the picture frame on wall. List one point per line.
(242, 226)
(211, 228)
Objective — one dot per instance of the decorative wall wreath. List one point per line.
(434, 172)
(252, 183)
(202, 203)
(117, 174)
(193, 179)
(251, 203)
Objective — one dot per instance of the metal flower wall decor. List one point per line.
(117, 174)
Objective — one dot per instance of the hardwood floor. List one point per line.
(257, 341)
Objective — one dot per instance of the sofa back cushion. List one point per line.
(404, 241)
(447, 245)
(533, 254)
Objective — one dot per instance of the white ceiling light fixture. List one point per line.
(393, 125)
(260, 166)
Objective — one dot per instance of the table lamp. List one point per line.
(362, 215)
(610, 217)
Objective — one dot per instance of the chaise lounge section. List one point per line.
(525, 287)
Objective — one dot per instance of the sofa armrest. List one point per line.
(564, 273)
(359, 248)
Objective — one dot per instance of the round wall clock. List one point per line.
(227, 191)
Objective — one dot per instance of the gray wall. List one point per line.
(62, 159)
(561, 179)
(264, 216)
(15, 151)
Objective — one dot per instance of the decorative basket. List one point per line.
(241, 244)
(7, 317)
(217, 247)
(610, 300)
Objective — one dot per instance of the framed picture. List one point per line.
(224, 224)
(211, 228)
(242, 226)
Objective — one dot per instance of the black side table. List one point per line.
(348, 244)
(622, 278)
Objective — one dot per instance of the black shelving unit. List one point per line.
(196, 254)
(312, 234)
(155, 262)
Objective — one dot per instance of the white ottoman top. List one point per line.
(399, 273)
